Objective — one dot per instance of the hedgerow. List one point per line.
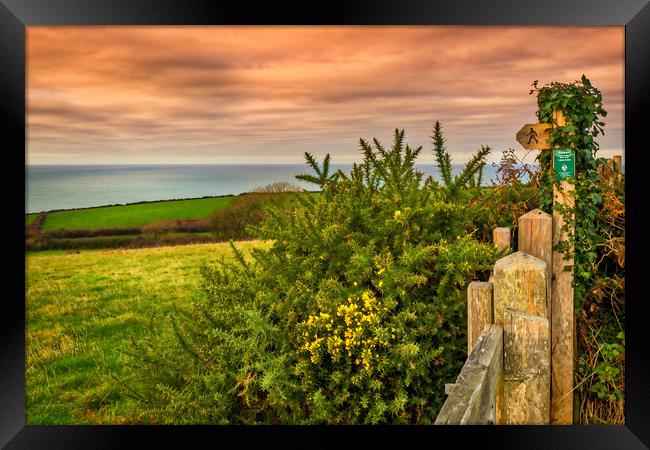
(249, 209)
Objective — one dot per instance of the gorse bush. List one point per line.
(465, 185)
(356, 314)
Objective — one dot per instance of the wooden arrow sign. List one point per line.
(534, 136)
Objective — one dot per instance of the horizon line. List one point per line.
(212, 164)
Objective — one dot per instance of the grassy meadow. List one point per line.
(152, 224)
(81, 308)
(134, 215)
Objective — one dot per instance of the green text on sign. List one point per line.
(564, 163)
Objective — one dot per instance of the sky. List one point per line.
(245, 95)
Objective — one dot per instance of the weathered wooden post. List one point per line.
(501, 237)
(527, 372)
(519, 284)
(618, 165)
(536, 239)
(479, 311)
(562, 317)
(520, 306)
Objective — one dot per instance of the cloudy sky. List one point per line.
(159, 95)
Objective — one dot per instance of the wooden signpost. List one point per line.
(563, 321)
(534, 137)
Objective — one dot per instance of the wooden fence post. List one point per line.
(562, 319)
(501, 237)
(519, 284)
(536, 239)
(617, 163)
(479, 311)
(526, 367)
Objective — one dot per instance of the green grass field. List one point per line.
(125, 216)
(29, 218)
(82, 308)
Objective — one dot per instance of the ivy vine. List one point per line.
(581, 104)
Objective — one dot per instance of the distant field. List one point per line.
(134, 215)
(82, 308)
(29, 218)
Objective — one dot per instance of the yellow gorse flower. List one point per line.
(349, 332)
(397, 215)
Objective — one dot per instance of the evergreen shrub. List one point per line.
(356, 314)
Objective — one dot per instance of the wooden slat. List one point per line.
(473, 398)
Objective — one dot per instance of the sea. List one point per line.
(53, 187)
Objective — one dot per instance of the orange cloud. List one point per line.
(267, 94)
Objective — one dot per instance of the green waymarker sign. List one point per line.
(564, 163)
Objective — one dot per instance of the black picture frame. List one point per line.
(16, 15)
